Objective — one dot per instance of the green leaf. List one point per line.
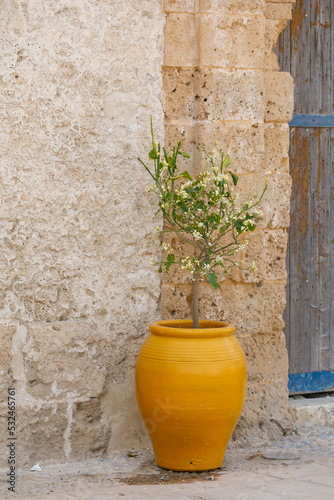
(171, 258)
(226, 162)
(170, 161)
(185, 154)
(153, 154)
(186, 175)
(160, 270)
(239, 225)
(235, 178)
(167, 265)
(213, 280)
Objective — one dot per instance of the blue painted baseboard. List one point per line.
(300, 383)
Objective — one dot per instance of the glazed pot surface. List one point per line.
(190, 386)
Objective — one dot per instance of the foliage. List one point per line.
(203, 212)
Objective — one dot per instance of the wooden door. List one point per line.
(306, 50)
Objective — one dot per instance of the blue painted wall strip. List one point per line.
(326, 121)
(311, 382)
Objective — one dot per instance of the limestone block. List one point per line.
(280, 1)
(89, 436)
(273, 29)
(63, 358)
(317, 411)
(267, 358)
(234, 42)
(277, 139)
(279, 96)
(6, 376)
(121, 413)
(279, 10)
(41, 430)
(266, 414)
(267, 249)
(212, 94)
(275, 203)
(180, 33)
(226, 7)
(251, 308)
(242, 141)
(179, 5)
(76, 220)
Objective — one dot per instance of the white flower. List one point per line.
(187, 263)
(167, 248)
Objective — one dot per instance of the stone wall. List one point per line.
(79, 80)
(222, 84)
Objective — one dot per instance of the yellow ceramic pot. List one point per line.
(190, 386)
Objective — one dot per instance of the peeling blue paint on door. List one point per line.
(300, 383)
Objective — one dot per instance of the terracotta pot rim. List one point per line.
(183, 328)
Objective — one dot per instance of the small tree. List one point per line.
(202, 212)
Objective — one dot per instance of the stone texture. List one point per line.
(226, 7)
(266, 414)
(279, 96)
(251, 308)
(64, 358)
(89, 436)
(41, 430)
(276, 200)
(273, 29)
(121, 414)
(267, 249)
(266, 356)
(316, 411)
(6, 376)
(235, 42)
(277, 147)
(76, 116)
(79, 81)
(241, 7)
(179, 5)
(180, 31)
(211, 94)
(281, 10)
(244, 143)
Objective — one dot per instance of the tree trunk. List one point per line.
(195, 302)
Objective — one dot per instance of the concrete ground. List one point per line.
(298, 466)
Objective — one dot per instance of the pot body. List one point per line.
(190, 387)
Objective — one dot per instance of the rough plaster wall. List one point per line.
(222, 84)
(78, 81)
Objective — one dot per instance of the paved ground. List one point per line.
(299, 466)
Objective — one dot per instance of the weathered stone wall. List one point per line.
(222, 84)
(79, 80)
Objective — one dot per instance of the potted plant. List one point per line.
(191, 374)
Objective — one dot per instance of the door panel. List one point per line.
(305, 49)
